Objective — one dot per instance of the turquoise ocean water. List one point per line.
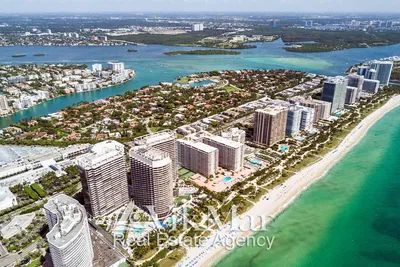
(351, 217)
(153, 66)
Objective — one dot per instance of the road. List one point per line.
(12, 258)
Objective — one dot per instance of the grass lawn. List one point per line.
(173, 258)
(149, 254)
(179, 199)
(182, 171)
(230, 89)
(255, 198)
(34, 263)
(188, 175)
(154, 129)
(304, 163)
(183, 80)
(324, 151)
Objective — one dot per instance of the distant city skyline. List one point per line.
(22, 6)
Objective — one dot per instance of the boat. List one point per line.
(19, 55)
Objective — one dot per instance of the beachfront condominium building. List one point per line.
(69, 235)
(152, 180)
(377, 70)
(307, 119)
(383, 70)
(116, 66)
(230, 153)
(198, 157)
(4, 108)
(235, 134)
(293, 120)
(104, 178)
(357, 81)
(351, 95)
(334, 91)
(322, 109)
(97, 67)
(270, 125)
(370, 86)
(164, 141)
(363, 70)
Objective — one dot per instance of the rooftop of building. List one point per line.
(17, 224)
(149, 153)
(155, 138)
(198, 145)
(100, 153)
(275, 110)
(382, 62)
(336, 80)
(70, 219)
(222, 140)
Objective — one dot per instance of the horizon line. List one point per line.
(200, 12)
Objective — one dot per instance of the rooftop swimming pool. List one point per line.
(226, 179)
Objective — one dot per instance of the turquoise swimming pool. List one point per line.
(255, 161)
(226, 179)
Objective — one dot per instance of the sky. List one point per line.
(21, 6)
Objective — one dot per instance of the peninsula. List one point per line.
(226, 108)
(24, 86)
(202, 52)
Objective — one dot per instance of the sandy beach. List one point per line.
(278, 199)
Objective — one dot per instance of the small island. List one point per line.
(132, 50)
(39, 55)
(202, 52)
(19, 55)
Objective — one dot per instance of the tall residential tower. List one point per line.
(152, 179)
(69, 236)
(230, 153)
(198, 157)
(334, 91)
(104, 178)
(270, 125)
(164, 141)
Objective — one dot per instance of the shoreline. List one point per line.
(58, 96)
(281, 197)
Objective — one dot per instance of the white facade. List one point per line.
(104, 178)
(235, 134)
(198, 27)
(383, 70)
(293, 120)
(4, 108)
(116, 66)
(307, 119)
(230, 153)
(97, 67)
(198, 157)
(69, 236)
(7, 199)
(152, 179)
